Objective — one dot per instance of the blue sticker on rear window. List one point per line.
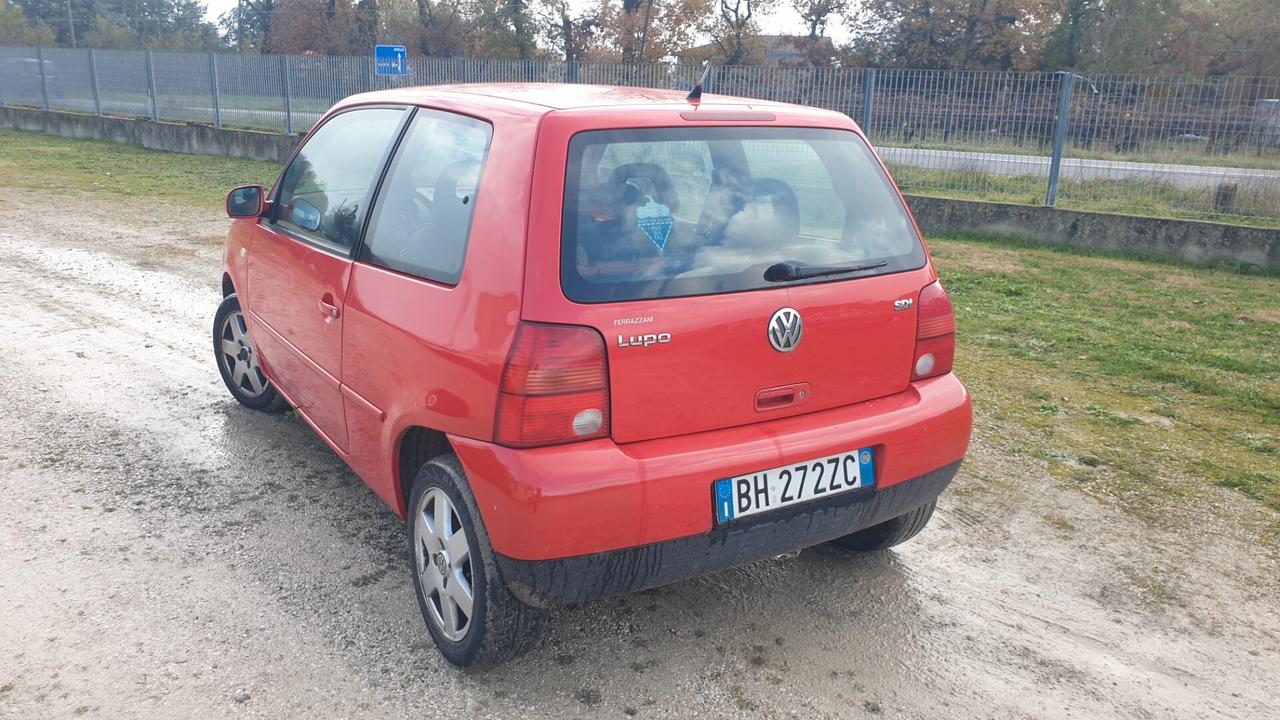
(654, 219)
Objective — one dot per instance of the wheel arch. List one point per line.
(416, 445)
(228, 287)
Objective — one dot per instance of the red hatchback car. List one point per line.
(590, 340)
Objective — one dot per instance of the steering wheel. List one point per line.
(410, 221)
(426, 208)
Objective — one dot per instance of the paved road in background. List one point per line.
(1181, 176)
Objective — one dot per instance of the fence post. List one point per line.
(215, 90)
(151, 88)
(288, 111)
(44, 82)
(1067, 81)
(93, 82)
(711, 79)
(868, 91)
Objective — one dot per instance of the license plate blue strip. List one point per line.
(867, 460)
(724, 500)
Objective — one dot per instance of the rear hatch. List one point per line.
(738, 274)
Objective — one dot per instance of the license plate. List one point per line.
(780, 487)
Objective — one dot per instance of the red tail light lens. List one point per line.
(555, 387)
(935, 333)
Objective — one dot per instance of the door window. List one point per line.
(423, 214)
(325, 190)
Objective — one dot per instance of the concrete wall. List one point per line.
(1198, 243)
(176, 137)
(1182, 240)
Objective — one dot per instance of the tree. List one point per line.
(1251, 29)
(949, 34)
(247, 26)
(674, 26)
(1068, 43)
(816, 14)
(522, 27)
(298, 27)
(736, 33)
(1133, 35)
(111, 35)
(15, 29)
(1118, 36)
(158, 24)
(366, 30)
(572, 35)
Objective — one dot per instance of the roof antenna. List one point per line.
(695, 95)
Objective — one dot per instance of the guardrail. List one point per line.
(1196, 147)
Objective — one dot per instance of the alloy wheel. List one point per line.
(443, 559)
(238, 357)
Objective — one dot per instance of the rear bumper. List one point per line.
(544, 583)
(598, 496)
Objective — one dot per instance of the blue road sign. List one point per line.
(390, 60)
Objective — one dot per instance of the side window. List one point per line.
(324, 190)
(423, 214)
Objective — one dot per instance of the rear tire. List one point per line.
(888, 533)
(237, 360)
(497, 627)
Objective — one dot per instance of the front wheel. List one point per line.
(890, 532)
(238, 359)
(472, 616)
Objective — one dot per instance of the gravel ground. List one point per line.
(165, 553)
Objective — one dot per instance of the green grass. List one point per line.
(1253, 206)
(1151, 384)
(36, 161)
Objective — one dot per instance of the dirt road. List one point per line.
(164, 553)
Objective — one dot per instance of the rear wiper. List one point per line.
(785, 271)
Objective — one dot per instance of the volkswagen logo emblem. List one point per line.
(785, 329)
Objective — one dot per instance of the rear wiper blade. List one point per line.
(785, 271)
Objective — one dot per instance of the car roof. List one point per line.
(541, 98)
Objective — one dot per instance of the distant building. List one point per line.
(777, 50)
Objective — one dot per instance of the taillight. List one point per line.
(555, 387)
(935, 333)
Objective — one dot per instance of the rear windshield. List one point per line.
(668, 212)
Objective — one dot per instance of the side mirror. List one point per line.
(304, 215)
(246, 201)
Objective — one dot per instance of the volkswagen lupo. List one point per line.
(591, 340)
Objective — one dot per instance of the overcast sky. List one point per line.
(783, 21)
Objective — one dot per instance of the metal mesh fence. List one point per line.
(67, 80)
(183, 87)
(1173, 146)
(1207, 146)
(974, 134)
(20, 73)
(122, 82)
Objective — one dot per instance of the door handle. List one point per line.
(328, 309)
